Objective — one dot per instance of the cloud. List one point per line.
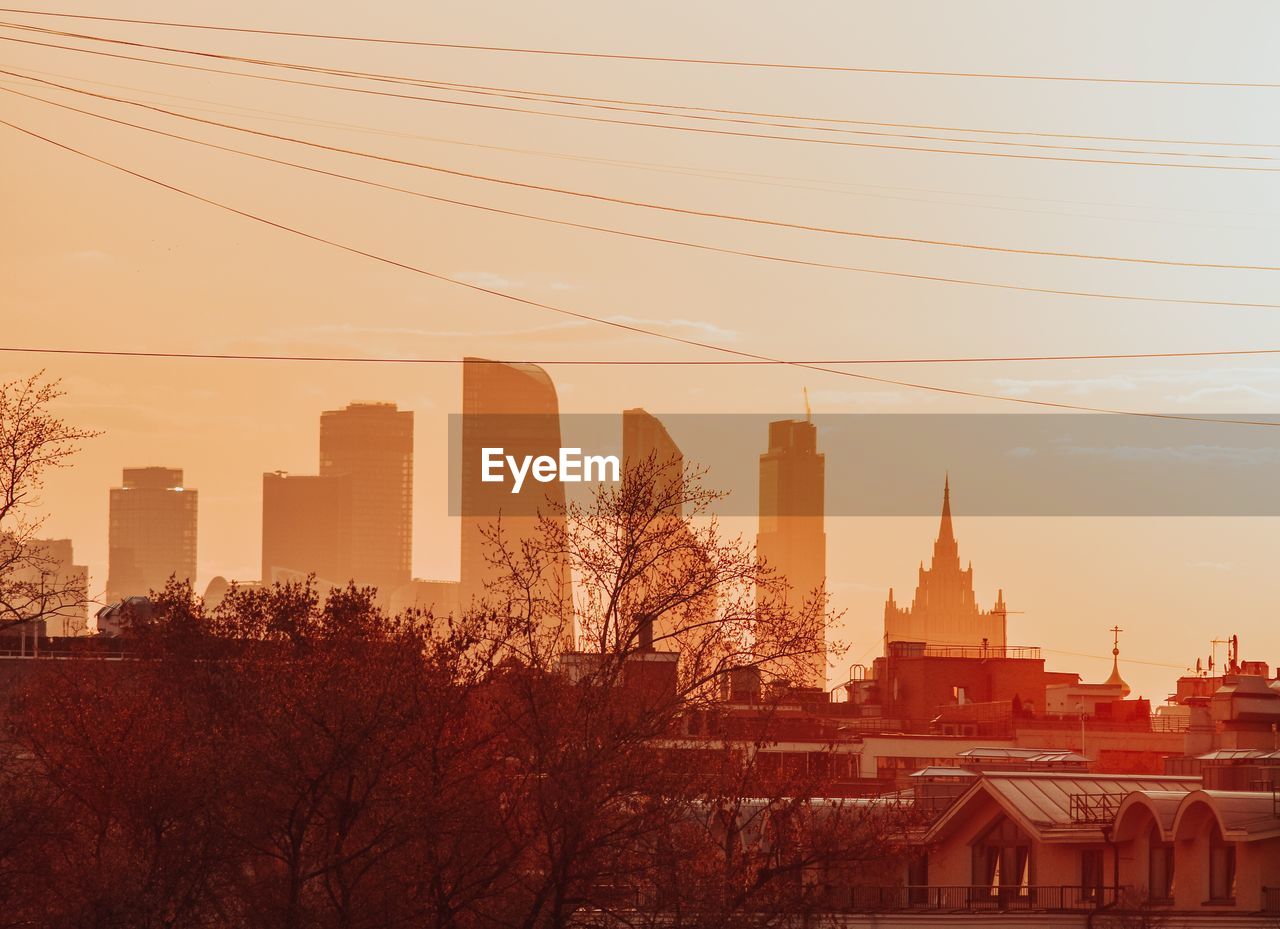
(89, 256)
(1222, 567)
(706, 329)
(1078, 387)
(1192, 453)
(1243, 391)
(1193, 384)
(488, 279)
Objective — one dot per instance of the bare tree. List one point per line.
(666, 606)
(33, 584)
(649, 579)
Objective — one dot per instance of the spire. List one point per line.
(944, 530)
(1115, 679)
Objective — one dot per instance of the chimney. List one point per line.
(645, 633)
(1200, 728)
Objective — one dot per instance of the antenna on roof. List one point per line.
(808, 411)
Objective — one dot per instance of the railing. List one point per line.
(984, 899)
(1169, 723)
(1271, 899)
(1095, 808)
(899, 649)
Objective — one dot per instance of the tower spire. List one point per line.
(944, 529)
(1115, 678)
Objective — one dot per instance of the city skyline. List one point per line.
(501, 436)
(110, 258)
(942, 615)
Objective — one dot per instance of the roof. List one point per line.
(943, 771)
(1000, 752)
(1162, 804)
(1036, 755)
(1230, 754)
(1040, 801)
(1244, 816)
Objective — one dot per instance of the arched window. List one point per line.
(1222, 868)
(1159, 867)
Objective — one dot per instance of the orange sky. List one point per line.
(93, 259)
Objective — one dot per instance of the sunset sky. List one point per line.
(93, 259)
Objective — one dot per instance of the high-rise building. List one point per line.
(306, 528)
(372, 445)
(644, 438)
(152, 533)
(945, 611)
(792, 538)
(513, 407)
(47, 587)
(646, 443)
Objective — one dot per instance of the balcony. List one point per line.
(1271, 900)
(899, 649)
(1052, 898)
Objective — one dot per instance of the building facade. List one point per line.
(307, 528)
(371, 445)
(513, 407)
(792, 538)
(944, 611)
(152, 534)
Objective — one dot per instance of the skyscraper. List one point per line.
(644, 437)
(152, 532)
(945, 611)
(646, 443)
(792, 537)
(513, 407)
(46, 583)
(306, 528)
(372, 445)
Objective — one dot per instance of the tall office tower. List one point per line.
(152, 532)
(944, 611)
(306, 528)
(372, 444)
(644, 437)
(646, 442)
(792, 538)
(513, 407)
(47, 584)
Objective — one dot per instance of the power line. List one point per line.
(665, 208)
(643, 108)
(1128, 660)
(821, 119)
(600, 119)
(622, 362)
(667, 59)
(560, 97)
(613, 323)
(800, 262)
(649, 109)
(790, 182)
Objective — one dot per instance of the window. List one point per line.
(1160, 868)
(1222, 869)
(1002, 859)
(918, 880)
(1091, 874)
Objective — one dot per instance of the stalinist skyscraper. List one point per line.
(944, 611)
